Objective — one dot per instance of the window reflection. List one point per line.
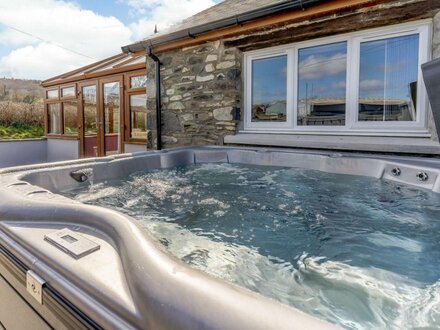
(111, 113)
(388, 79)
(70, 111)
(52, 94)
(68, 91)
(269, 89)
(90, 112)
(138, 81)
(138, 116)
(54, 112)
(322, 84)
(91, 148)
(111, 107)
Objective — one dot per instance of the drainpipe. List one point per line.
(158, 100)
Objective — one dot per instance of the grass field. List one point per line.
(19, 131)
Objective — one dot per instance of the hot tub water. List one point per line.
(357, 251)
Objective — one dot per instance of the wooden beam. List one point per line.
(98, 75)
(270, 21)
(104, 64)
(47, 82)
(349, 22)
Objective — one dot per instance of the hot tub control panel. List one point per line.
(72, 243)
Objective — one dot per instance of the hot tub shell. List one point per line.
(132, 282)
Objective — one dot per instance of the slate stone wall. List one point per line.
(201, 94)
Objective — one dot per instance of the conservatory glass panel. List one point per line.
(138, 81)
(138, 116)
(52, 94)
(70, 111)
(68, 91)
(111, 115)
(53, 116)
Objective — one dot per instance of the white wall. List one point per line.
(58, 150)
(22, 152)
(34, 151)
(129, 148)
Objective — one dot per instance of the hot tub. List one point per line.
(72, 265)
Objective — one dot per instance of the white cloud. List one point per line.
(65, 24)
(55, 23)
(163, 13)
(40, 61)
(371, 85)
(339, 84)
(316, 67)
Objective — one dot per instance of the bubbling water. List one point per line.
(359, 252)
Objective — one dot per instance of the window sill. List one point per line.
(139, 142)
(419, 145)
(342, 132)
(61, 137)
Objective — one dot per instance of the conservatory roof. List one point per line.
(115, 64)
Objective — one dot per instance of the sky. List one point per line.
(40, 39)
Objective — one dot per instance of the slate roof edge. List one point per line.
(193, 31)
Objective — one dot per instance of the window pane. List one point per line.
(52, 94)
(269, 89)
(388, 79)
(70, 118)
(111, 117)
(322, 74)
(138, 116)
(53, 116)
(138, 82)
(90, 121)
(90, 110)
(68, 91)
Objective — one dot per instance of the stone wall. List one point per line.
(201, 94)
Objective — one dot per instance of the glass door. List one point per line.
(101, 117)
(90, 139)
(111, 105)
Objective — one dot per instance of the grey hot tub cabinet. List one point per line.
(131, 281)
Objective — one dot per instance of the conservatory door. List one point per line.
(91, 124)
(111, 112)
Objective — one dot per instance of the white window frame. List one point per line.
(352, 125)
(269, 53)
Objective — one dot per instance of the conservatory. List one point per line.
(99, 109)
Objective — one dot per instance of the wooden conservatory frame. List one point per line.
(116, 69)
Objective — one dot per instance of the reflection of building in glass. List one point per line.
(332, 111)
(383, 110)
(321, 112)
(274, 111)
